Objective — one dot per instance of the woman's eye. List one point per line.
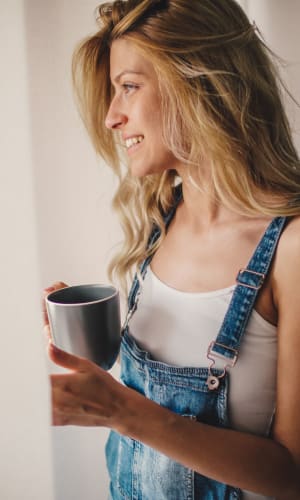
(128, 87)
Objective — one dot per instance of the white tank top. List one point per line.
(177, 327)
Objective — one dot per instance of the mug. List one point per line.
(85, 321)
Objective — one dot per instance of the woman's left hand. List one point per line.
(87, 395)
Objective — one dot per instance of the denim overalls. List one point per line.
(138, 472)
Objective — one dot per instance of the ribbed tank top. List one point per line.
(176, 328)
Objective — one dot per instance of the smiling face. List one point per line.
(135, 110)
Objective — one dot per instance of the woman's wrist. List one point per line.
(125, 412)
(135, 410)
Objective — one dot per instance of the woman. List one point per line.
(208, 407)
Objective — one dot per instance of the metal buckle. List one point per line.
(222, 356)
(251, 272)
(213, 381)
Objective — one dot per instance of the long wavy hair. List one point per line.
(221, 94)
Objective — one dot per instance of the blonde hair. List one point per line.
(221, 88)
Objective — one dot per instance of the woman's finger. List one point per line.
(67, 360)
(47, 332)
(55, 286)
(44, 308)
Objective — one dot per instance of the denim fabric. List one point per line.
(138, 472)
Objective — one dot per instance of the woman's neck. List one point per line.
(200, 207)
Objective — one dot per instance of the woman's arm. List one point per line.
(90, 396)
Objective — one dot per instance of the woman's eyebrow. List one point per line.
(126, 71)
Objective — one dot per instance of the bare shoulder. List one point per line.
(286, 272)
(290, 239)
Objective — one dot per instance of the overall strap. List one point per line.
(249, 282)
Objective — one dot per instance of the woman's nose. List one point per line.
(115, 118)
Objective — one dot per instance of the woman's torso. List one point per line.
(194, 260)
(177, 327)
(205, 264)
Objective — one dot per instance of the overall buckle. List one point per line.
(213, 381)
(260, 283)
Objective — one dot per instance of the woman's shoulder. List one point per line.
(287, 295)
(289, 242)
(286, 269)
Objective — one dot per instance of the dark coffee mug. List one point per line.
(85, 321)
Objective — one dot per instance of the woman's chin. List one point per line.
(139, 171)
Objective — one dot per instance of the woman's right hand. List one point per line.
(56, 286)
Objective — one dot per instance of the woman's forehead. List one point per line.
(126, 58)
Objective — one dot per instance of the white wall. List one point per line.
(279, 23)
(25, 445)
(73, 191)
(76, 229)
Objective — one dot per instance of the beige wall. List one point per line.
(73, 191)
(25, 444)
(55, 206)
(279, 23)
